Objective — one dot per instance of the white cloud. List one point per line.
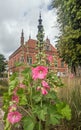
(16, 15)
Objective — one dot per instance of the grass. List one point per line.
(71, 94)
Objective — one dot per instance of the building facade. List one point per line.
(27, 51)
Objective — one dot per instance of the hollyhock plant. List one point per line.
(39, 72)
(41, 109)
(14, 117)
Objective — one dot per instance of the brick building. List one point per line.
(27, 51)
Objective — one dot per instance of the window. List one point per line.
(56, 64)
(62, 64)
(29, 60)
(47, 62)
(47, 47)
(21, 59)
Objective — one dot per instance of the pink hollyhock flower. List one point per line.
(38, 88)
(39, 72)
(45, 84)
(22, 86)
(44, 91)
(15, 90)
(12, 108)
(14, 117)
(50, 58)
(15, 98)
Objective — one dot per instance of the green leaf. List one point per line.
(29, 123)
(23, 100)
(7, 126)
(37, 98)
(64, 110)
(54, 119)
(41, 115)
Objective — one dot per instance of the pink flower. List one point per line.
(15, 98)
(22, 86)
(39, 72)
(45, 84)
(38, 88)
(44, 91)
(12, 108)
(15, 90)
(71, 76)
(50, 58)
(14, 117)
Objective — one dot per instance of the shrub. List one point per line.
(3, 87)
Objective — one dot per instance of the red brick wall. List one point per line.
(29, 50)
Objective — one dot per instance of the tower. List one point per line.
(40, 35)
(22, 38)
(40, 42)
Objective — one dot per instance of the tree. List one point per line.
(69, 41)
(2, 64)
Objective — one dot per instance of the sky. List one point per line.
(16, 15)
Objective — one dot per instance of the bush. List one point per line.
(3, 86)
(4, 82)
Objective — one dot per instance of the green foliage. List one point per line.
(3, 86)
(29, 123)
(64, 110)
(2, 64)
(69, 41)
(38, 109)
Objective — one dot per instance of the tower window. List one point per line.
(47, 47)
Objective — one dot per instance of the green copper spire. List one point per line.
(40, 42)
(40, 35)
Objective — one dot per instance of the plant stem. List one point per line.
(26, 111)
(39, 124)
(46, 124)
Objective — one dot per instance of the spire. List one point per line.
(22, 37)
(40, 34)
(40, 24)
(47, 40)
(30, 36)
